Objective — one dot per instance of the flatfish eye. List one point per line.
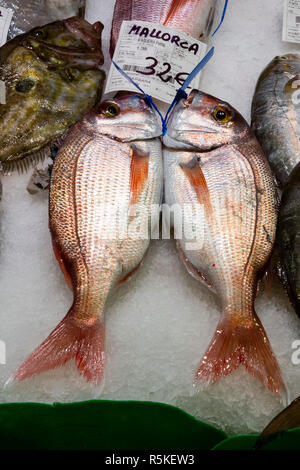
(40, 34)
(24, 86)
(221, 114)
(109, 109)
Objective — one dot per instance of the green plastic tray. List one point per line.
(111, 425)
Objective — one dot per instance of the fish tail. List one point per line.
(234, 344)
(70, 339)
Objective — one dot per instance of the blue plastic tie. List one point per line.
(148, 98)
(181, 94)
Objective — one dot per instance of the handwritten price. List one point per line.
(163, 75)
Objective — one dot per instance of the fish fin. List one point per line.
(245, 344)
(70, 339)
(268, 281)
(193, 271)
(62, 265)
(173, 10)
(138, 172)
(197, 180)
(25, 163)
(270, 273)
(289, 418)
(130, 274)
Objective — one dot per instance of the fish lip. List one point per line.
(177, 140)
(178, 144)
(152, 135)
(202, 130)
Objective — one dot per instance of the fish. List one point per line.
(288, 238)
(105, 183)
(276, 115)
(52, 77)
(214, 164)
(193, 17)
(287, 419)
(28, 14)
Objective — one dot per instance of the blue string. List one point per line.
(222, 19)
(148, 98)
(180, 93)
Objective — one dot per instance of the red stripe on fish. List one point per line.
(197, 180)
(138, 172)
(173, 10)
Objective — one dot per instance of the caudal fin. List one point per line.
(70, 339)
(233, 345)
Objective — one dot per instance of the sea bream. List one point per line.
(193, 17)
(276, 114)
(105, 184)
(52, 77)
(213, 162)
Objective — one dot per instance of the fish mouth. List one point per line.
(154, 132)
(172, 143)
(175, 139)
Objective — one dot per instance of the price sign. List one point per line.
(158, 58)
(291, 21)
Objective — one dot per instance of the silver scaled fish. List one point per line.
(276, 114)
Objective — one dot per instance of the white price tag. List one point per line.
(5, 20)
(291, 21)
(158, 58)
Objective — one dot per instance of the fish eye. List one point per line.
(24, 86)
(221, 114)
(110, 109)
(40, 34)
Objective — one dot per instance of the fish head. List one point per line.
(287, 64)
(203, 122)
(48, 84)
(73, 42)
(126, 118)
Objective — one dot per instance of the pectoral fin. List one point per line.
(197, 180)
(193, 271)
(138, 173)
(62, 265)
